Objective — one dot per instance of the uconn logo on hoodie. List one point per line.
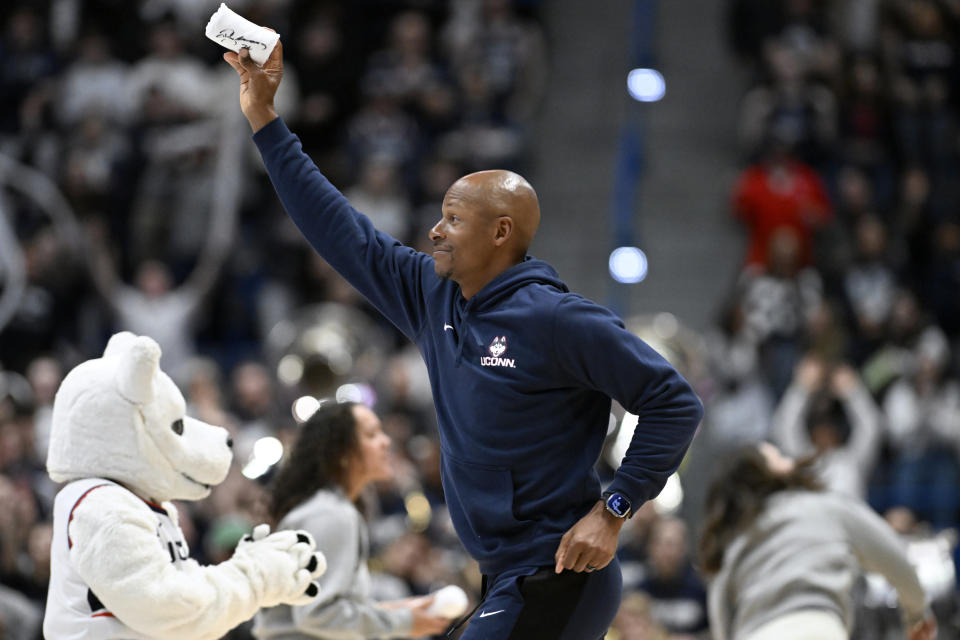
(497, 348)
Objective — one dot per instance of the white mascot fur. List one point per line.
(120, 565)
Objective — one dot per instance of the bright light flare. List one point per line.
(268, 449)
(266, 453)
(304, 407)
(646, 85)
(628, 265)
(290, 370)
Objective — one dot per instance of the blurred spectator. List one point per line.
(26, 76)
(382, 128)
(855, 197)
(864, 115)
(922, 64)
(405, 395)
(869, 285)
(46, 319)
(223, 535)
(827, 336)
(806, 34)
(325, 73)
(484, 135)
(917, 39)
(678, 598)
(857, 23)
(406, 64)
(95, 83)
(153, 307)
(168, 85)
(828, 412)
(923, 424)
(777, 302)
(33, 575)
(635, 546)
(489, 34)
(90, 157)
(379, 195)
(895, 358)
(783, 554)
(437, 174)
(44, 375)
(18, 517)
(635, 620)
(742, 403)
(930, 553)
(204, 394)
(341, 449)
(20, 619)
(776, 193)
(233, 501)
(942, 278)
(255, 405)
(796, 111)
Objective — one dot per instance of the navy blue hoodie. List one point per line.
(522, 376)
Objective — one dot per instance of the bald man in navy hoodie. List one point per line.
(522, 372)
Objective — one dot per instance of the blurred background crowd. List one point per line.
(132, 199)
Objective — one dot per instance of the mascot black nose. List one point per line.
(230, 442)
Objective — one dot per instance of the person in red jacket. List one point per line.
(780, 191)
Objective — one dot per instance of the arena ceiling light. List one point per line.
(646, 85)
(628, 265)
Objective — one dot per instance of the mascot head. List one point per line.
(120, 417)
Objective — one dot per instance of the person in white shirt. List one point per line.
(810, 420)
(783, 554)
(340, 450)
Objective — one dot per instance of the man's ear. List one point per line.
(503, 230)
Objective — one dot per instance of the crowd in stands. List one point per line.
(847, 304)
(124, 108)
(841, 336)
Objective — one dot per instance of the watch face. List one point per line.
(618, 504)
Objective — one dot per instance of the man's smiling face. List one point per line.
(463, 237)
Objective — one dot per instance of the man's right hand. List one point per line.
(258, 85)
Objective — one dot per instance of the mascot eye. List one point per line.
(177, 427)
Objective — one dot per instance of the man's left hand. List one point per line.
(591, 543)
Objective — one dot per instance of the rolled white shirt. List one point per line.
(235, 32)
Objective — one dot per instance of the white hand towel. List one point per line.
(235, 32)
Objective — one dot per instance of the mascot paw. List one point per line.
(287, 563)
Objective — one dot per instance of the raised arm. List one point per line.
(258, 85)
(103, 273)
(788, 429)
(863, 414)
(390, 275)
(878, 549)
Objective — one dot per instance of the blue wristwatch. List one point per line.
(617, 504)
